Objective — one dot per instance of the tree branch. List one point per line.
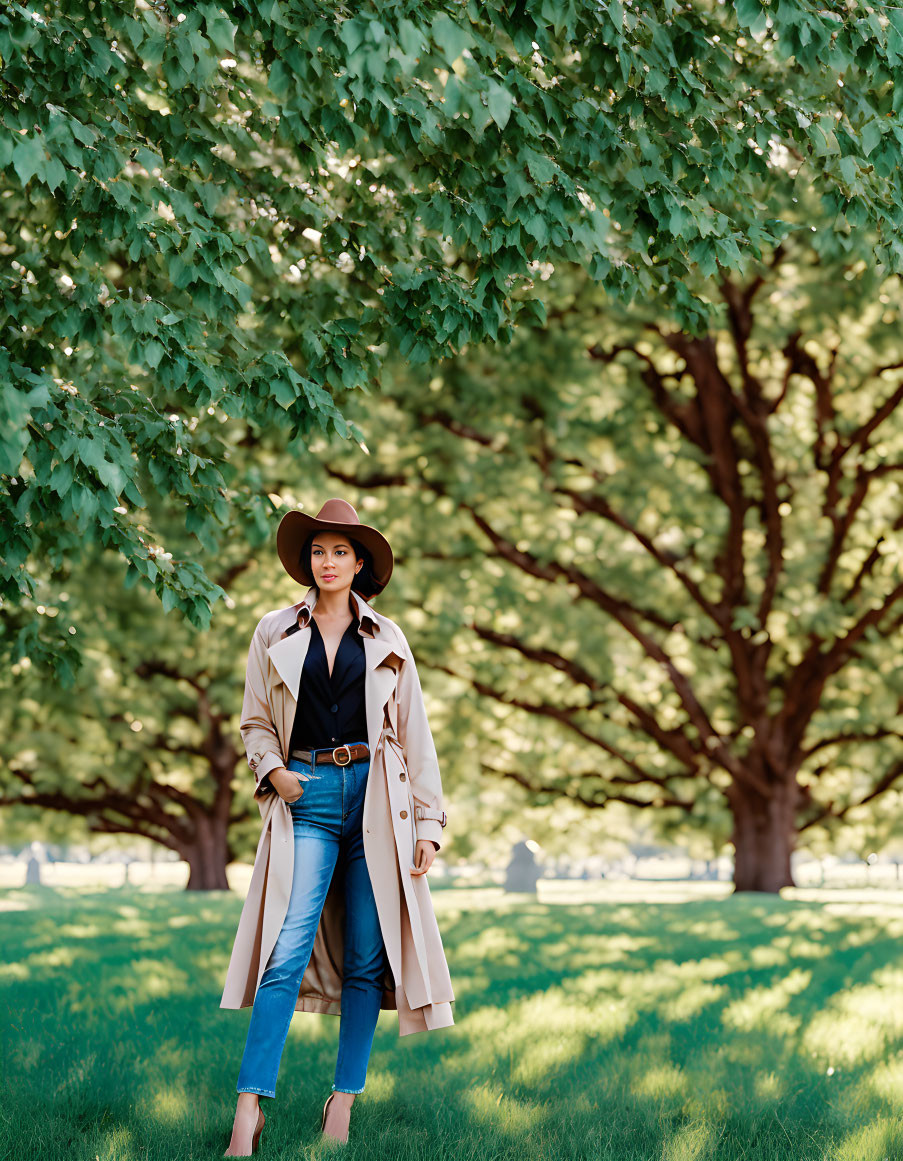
(560, 792)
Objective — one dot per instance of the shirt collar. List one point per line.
(367, 622)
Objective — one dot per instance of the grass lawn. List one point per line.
(670, 1027)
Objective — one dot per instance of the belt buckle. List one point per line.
(347, 750)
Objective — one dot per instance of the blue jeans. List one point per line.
(328, 835)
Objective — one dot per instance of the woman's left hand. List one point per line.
(424, 853)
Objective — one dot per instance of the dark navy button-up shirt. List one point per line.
(331, 708)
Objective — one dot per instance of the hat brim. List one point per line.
(295, 527)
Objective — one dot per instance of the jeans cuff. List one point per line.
(349, 1090)
(259, 1091)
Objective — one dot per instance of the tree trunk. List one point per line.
(763, 837)
(208, 856)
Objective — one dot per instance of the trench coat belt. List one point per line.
(341, 755)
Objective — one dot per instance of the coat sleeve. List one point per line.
(419, 752)
(256, 725)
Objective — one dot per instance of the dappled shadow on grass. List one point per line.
(750, 1026)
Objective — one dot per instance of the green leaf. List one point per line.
(220, 28)
(541, 169)
(153, 353)
(169, 598)
(870, 134)
(500, 104)
(28, 158)
(53, 173)
(450, 37)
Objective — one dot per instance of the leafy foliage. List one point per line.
(666, 570)
(237, 211)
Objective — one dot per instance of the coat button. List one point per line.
(402, 777)
(334, 708)
(404, 814)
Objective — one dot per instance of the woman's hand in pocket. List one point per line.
(285, 783)
(424, 853)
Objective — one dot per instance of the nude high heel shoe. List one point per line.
(338, 1140)
(255, 1140)
(325, 1107)
(261, 1120)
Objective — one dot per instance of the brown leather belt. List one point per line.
(340, 755)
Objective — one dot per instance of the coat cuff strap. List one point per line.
(425, 812)
(429, 828)
(265, 763)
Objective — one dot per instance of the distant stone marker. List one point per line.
(522, 872)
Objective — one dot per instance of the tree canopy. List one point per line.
(239, 211)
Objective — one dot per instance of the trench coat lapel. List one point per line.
(288, 653)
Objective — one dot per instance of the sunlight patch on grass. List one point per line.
(608, 949)
(116, 1145)
(679, 990)
(181, 921)
(769, 1086)
(15, 905)
(213, 963)
(858, 1024)
(493, 1106)
(690, 1143)
(712, 928)
(311, 1026)
(692, 999)
(765, 1007)
(768, 955)
(54, 957)
(710, 967)
(541, 1033)
(662, 1082)
(168, 1105)
(381, 1084)
(498, 945)
(873, 1142)
(156, 977)
(712, 1067)
(78, 931)
(598, 985)
(887, 1081)
(135, 927)
(14, 971)
(674, 988)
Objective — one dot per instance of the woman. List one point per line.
(338, 916)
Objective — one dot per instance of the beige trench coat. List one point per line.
(402, 803)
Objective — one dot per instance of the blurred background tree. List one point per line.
(641, 569)
(665, 568)
(653, 533)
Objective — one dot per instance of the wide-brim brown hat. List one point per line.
(336, 515)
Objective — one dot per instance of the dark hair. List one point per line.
(363, 581)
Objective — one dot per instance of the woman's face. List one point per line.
(332, 562)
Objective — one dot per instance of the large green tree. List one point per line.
(239, 210)
(666, 567)
(641, 570)
(144, 741)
